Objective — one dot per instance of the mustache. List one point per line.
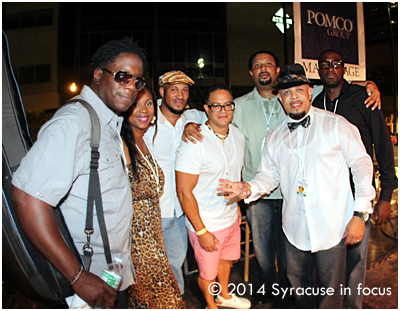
(263, 72)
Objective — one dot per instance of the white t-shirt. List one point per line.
(213, 160)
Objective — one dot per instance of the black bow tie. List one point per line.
(293, 125)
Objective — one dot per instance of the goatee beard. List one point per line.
(173, 110)
(297, 116)
(265, 82)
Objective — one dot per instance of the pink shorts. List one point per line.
(228, 249)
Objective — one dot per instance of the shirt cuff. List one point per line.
(362, 206)
(252, 197)
(386, 195)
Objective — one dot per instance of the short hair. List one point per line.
(276, 59)
(109, 51)
(216, 87)
(329, 50)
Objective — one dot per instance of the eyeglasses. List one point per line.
(218, 108)
(125, 78)
(336, 64)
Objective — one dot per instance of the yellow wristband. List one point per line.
(201, 232)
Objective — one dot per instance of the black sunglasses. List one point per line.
(336, 64)
(125, 78)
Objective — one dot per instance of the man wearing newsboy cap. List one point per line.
(174, 90)
(309, 155)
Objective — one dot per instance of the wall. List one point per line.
(250, 28)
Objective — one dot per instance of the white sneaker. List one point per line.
(235, 302)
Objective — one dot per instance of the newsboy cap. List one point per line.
(174, 76)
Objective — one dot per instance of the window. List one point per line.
(29, 19)
(33, 74)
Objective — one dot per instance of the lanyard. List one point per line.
(337, 100)
(301, 161)
(268, 119)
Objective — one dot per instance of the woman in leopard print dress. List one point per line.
(156, 287)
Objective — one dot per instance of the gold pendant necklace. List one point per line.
(218, 135)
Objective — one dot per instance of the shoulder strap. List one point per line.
(94, 191)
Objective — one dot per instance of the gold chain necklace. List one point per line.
(218, 135)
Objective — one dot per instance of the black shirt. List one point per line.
(373, 130)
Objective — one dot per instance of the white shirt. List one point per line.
(211, 160)
(163, 149)
(326, 150)
(255, 117)
(58, 165)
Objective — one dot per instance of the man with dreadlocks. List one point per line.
(56, 171)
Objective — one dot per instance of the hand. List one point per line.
(241, 190)
(95, 291)
(208, 242)
(354, 231)
(192, 132)
(374, 96)
(382, 211)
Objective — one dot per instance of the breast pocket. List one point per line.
(110, 163)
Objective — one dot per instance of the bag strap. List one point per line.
(94, 192)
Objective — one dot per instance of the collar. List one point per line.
(345, 90)
(105, 114)
(257, 95)
(161, 118)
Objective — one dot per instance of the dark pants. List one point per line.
(122, 300)
(330, 266)
(265, 219)
(356, 270)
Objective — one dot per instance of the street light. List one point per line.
(73, 87)
(200, 62)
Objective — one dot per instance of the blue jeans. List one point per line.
(265, 219)
(176, 244)
(356, 269)
(331, 270)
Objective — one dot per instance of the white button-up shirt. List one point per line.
(320, 155)
(163, 149)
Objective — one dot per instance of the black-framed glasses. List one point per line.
(325, 64)
(218, 108)
(125, 78)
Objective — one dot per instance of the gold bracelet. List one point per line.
(201, 232)
(77, 276)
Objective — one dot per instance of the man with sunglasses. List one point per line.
(213, 222)
(347, 99)
(174, 90)
(56, 172)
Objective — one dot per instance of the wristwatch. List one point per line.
(363, 216)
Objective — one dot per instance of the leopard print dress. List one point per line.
(156, 287)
